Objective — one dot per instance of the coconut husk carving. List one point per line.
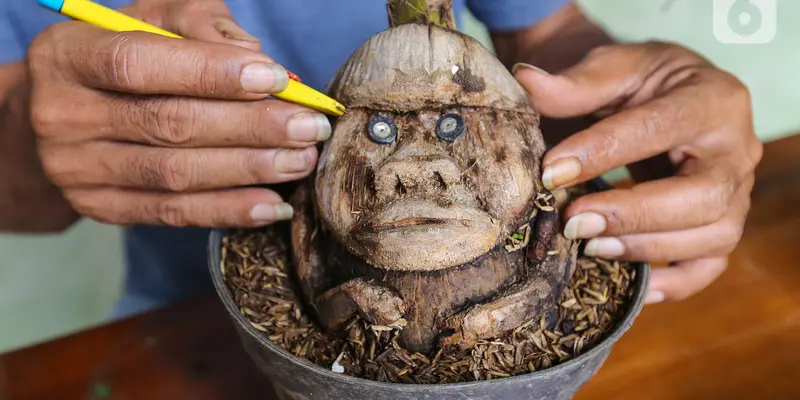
(427, 210)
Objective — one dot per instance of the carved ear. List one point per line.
(308, 263)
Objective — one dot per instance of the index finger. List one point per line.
(682, 280)
(145, 63)
(653, 128)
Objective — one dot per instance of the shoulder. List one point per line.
(506, 15)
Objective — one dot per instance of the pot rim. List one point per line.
(215, 240)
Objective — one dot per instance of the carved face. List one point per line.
(429, 189)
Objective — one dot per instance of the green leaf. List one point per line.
(428, 12)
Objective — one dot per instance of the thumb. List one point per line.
(206, 20)
(607, 77)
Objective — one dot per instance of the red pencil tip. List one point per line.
(293, 76)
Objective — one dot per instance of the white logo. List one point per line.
(745, 21)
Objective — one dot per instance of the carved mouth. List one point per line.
(420, 235)
(425, 214)
(416, 221)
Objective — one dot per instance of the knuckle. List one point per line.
(732, 235)
(717, 209)
(255, 122)
(45, 119)
(738, 91)
(84, 203)
(649, 249)
(175, 121)
(746, 199)
(51, 164)
(253, 166)
(602, 51)
(659, 46)
(604, 145)
(729, 187)
(652, 122)
(727, 249)
(634, 220)
(719, 197)
(123, 55)
(210, 75)
(719, 186)
(664, 51)
(41, 51)
(735, 95)
(80, 203)
(624, 219)
(173, 211)
(754, 152)
(174, 171)
(195, 7)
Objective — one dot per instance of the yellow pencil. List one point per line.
(96, 14)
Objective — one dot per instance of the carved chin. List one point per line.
(417, 235)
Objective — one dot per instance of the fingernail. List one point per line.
(560, 172)
(584, 226)
(308, 127)
(604, 248)
(264, 78)
(231, 30)
(291, 161)
(517, 66)
(272, 212)
(653, 296)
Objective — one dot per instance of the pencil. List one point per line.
(104, 17)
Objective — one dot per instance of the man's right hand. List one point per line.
(137, 128)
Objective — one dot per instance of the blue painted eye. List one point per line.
(382, 130)
(450, 127)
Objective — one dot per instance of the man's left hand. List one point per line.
(654, 99)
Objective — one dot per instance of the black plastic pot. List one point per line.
(298, 379)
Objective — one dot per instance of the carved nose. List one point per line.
(417, 175)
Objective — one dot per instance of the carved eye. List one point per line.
(382, 130)
(450, 127)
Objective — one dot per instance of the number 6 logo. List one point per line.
(745, 21)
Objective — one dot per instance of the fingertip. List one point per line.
(534, 80)
(528, 69)
(654, 297)
(682, 280)
(561, 172)
(271, 212)
(547, 91)
(263, 78)
(230, 32)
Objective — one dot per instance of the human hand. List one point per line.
(136, 128)
(652, 99)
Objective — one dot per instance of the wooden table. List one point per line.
(739, 339)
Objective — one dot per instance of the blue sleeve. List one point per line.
(506, 15)
(11, 47)
(22, 20)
